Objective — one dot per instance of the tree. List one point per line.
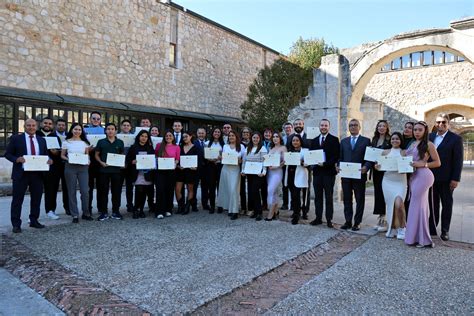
(273, 93)
(308, 53)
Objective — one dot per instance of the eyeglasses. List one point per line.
(441, 122)
(95, 118)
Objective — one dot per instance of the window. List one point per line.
(416, 59)
(24, 113)
(6, 125)
(173, 38)
(406, 61)
(386, 67)
(427, 58)
(397, 64)
(172, 55)
(449, 58)
(438, 57)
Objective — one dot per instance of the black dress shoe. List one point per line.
(75, 220)
(330, 225)
(346, 226)
(36, 225)
(258, 218)
(220, 210)
(206, 207)
(16, 230)
(305, 216)
(87, 218)
(356, 227)
(294, 221)
(445, 236)
(234, 216)
(316, 222)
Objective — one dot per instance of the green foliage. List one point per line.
(308, 53)
(273, 93)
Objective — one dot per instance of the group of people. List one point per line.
(401, 200)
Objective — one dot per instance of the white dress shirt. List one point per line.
(439, 139)
(28, 144)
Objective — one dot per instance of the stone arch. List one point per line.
(455, 107)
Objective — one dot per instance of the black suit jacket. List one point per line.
(450, 152)
(17, 148)
(331, 149)
(57, 161)
(200, 149)
(357, 154)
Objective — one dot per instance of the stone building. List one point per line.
(126, 59)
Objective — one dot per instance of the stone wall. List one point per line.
(119, 51)
(404, 94)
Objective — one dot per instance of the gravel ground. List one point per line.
(386, 277)
(175, 264)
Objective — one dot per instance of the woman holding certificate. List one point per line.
(142, 178)
(394, 187)
(229, 183)
(380, 140)
(275, 175)
(186, 175)
(75, 151)
(213, 165)
(165, 179)
(255, 172)
(417, 230)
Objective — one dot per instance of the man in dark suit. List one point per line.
(20, 145)
(353, 150)
(324, 174)
(177, 130)
(200, 143)
(447, 177)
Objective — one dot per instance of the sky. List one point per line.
(343, 23)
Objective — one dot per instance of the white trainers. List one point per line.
(391, 234)
(160, 216)
(52, 215)
(167, 214)
(401, 233)
(379, 223)
(382, 225)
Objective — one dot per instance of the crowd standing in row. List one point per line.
(402, 200)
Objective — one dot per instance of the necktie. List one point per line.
(353, 142)
(202, 143)
(32, 145)
(176, 137)
(322, 141)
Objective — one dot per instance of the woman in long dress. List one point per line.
(213, 167)
(228, 196)
(186, 176)
(274, 176)
(417, 230)
(394, 186)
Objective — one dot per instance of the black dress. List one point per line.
(187, 176)
(377, 177)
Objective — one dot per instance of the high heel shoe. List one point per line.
(268, 219)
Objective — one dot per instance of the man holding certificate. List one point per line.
(109, 172)
(324, 174)
(26, 144)
(353, 151)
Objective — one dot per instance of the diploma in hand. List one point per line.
(271, 160)
(388, 163)
(211, 153)
(166, 164)
(115, 160)
(314, 157)
(373, 154)
(404, 164)
(128, 139)
(146, 162)
(311, 132)
(188, 161)
(252, 167)
(292, 159)
(52, 143)
(156, 140)
(350, 170)
(36, 163)
(230, 158)
(78, 159)
(94, 138)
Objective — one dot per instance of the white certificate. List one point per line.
(350, 170)
(78, 159)
(156, 140)
(311, 132)
(115, 160)
(372, 154)
(188, 161)
(52, 143)
(314, 157)
(292, 159)
(253, 167)
(128, 139)
(36, 163)
(138, 129)
(272, 160)
(230, 158)
(166, 164)
(404, 164)
(211, 152)
(94, 138)
(146, 162)
(388, 163)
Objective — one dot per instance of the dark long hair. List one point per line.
(190, 134)
(148, 142)
(291, 143)
(423, 144)
(272, 144)
(399, 136)
(83, 135)
(250, 145)
(377, 134)
(211, 138)
(162, 149)
(237, 140)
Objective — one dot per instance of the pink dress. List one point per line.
(417, 228)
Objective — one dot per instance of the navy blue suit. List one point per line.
(202, 177)
(24, 179)
(450, 152)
